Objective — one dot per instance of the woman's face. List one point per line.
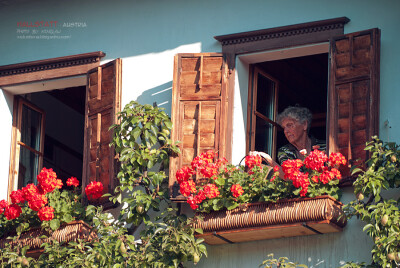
(294, 130)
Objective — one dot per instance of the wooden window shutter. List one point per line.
(103, 102)
(199, 109)
(354, 94)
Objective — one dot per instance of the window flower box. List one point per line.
(285, 218)
(69, 232)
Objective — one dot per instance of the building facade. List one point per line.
(67, 67)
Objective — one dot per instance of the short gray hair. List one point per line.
(301, 114)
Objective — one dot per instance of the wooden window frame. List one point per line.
(268, 39)
(252, 113)
(362, 66)
(16, 141)
(41, 70)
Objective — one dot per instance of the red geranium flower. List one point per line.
(37, 201)
(192, 202)
(30, 191)
(184, 174)
(200, 197)
(48, 181)
(94, 190)
(3, 205)
(73, 182)
(291, 168)
(211, 190)
(252, 161)
(12, 212)
(315, 160)
(237, 190)
(46, 213)
(187, 187)
(336, 159)
(17, 197)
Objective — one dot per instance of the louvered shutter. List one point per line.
(354, 93)
(199, 109)
(103, 102)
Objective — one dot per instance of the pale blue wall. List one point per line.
(133, 28)
(146, 34)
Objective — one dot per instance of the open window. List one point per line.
(279, 83)
(67, 129)
(29, 141)
(264, 101)
(340, 85)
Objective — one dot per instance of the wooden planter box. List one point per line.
(285, 218)
(66, 233)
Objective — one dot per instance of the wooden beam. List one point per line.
(49, 68)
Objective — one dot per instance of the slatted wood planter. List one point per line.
(285, 218)
(66, 233)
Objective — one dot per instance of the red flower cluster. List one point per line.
(237, 190)
(73, 182)
(37, 201)
(36, 198)
(94, 190)
(3, 206)
(48, 181)
(336, 159)
(252, 161)
(12, 212)
(328, 175)
(205, 165)
(184, 174)
(315, 162)
(32, 194)
(17, 197)
(211, 190)
(187, 187)
(46, 213)
(291, 168)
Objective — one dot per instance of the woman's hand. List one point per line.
(271, 162)
(266, 156)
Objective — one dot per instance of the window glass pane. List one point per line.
(30, 129)
(28, 167)
(265, 96)
(263, 137)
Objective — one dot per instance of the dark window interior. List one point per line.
(64, 129)
(303, 81)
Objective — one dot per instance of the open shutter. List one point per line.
(354, 93)
(103, 102)
(199, 109)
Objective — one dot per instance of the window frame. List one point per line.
(253, 114)
(16, 143)
(253, 42)
(12, 76)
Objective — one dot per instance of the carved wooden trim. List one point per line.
(50, 64)
(279, 32)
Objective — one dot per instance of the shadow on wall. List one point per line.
(161, 95)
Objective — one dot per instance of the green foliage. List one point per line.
(282, 262)
(382, 216)
(142, 143)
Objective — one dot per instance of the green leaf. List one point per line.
(199, 230)
(168, 124)
(136, 132)
(54, 224)
(366, 227)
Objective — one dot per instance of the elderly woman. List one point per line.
(296, 122)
